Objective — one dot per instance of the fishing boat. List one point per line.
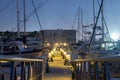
(96, 45)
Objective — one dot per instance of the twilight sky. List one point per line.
(58, 14)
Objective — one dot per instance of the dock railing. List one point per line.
(16, 68)
(103, 68)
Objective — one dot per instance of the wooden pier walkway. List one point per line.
(58, 71)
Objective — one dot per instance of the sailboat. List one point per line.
(18, 46)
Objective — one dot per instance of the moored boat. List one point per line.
(18, 48)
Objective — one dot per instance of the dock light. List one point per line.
(64, 53)
(48, 44)
(65, 44)
(49, 54)
(56, 44)
(68, 56)
(78, 64)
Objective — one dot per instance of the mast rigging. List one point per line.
(94, 28)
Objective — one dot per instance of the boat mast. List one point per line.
(82, 22)
(94, 39)
(102, 23)
(93, 12)
(18, 17)
(79, 22)
(24, 11)
(94, 20)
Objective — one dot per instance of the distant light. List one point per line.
(25, 46)
(115, 36)
(48, 44)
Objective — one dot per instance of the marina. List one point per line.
(86, 51)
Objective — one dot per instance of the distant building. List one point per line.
(58, 36)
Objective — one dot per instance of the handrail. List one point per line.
(20, 59)
(101, 59)
(29, 68)
(100, 68)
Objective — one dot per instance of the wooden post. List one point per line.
(23, 71)
(106, 71)
(96, 71)
(13, 71)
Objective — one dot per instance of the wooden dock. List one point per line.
(57, 70)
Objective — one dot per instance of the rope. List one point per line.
(35, 10)
(6, 6)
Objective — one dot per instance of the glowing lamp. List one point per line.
(65, 44)
(56, 44)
